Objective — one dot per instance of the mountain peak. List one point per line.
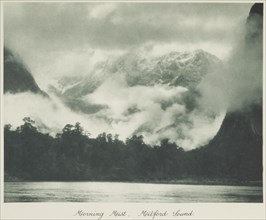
(174, 68)
(17, 77)
(257, 8)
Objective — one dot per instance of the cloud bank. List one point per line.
(156, 112)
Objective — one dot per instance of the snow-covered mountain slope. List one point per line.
(142, 93)
(185, 69)
(176, 68)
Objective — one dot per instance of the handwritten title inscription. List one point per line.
(124, 214)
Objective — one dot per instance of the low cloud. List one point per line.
(157, 112)
(50, 115)
(239, 83)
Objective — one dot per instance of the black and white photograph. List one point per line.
(132, 102)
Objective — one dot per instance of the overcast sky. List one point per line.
(49, 36)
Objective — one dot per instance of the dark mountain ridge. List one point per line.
(236, 150)
(17, 77)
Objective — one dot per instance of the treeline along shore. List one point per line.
(73, 156)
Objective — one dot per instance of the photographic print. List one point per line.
(132, 102)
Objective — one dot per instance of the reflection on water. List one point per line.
(127, 192)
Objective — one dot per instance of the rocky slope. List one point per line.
(17, 77)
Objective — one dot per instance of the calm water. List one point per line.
(127, 192)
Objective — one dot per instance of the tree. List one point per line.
(28, 126)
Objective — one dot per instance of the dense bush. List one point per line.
(73, 155)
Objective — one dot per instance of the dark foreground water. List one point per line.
(127, 192)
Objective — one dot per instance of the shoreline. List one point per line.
(221, 182)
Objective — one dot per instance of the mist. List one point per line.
(239, 83)
(50, 115)
(155, 111)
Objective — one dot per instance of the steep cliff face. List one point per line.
(236, 150)
(17, 78)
